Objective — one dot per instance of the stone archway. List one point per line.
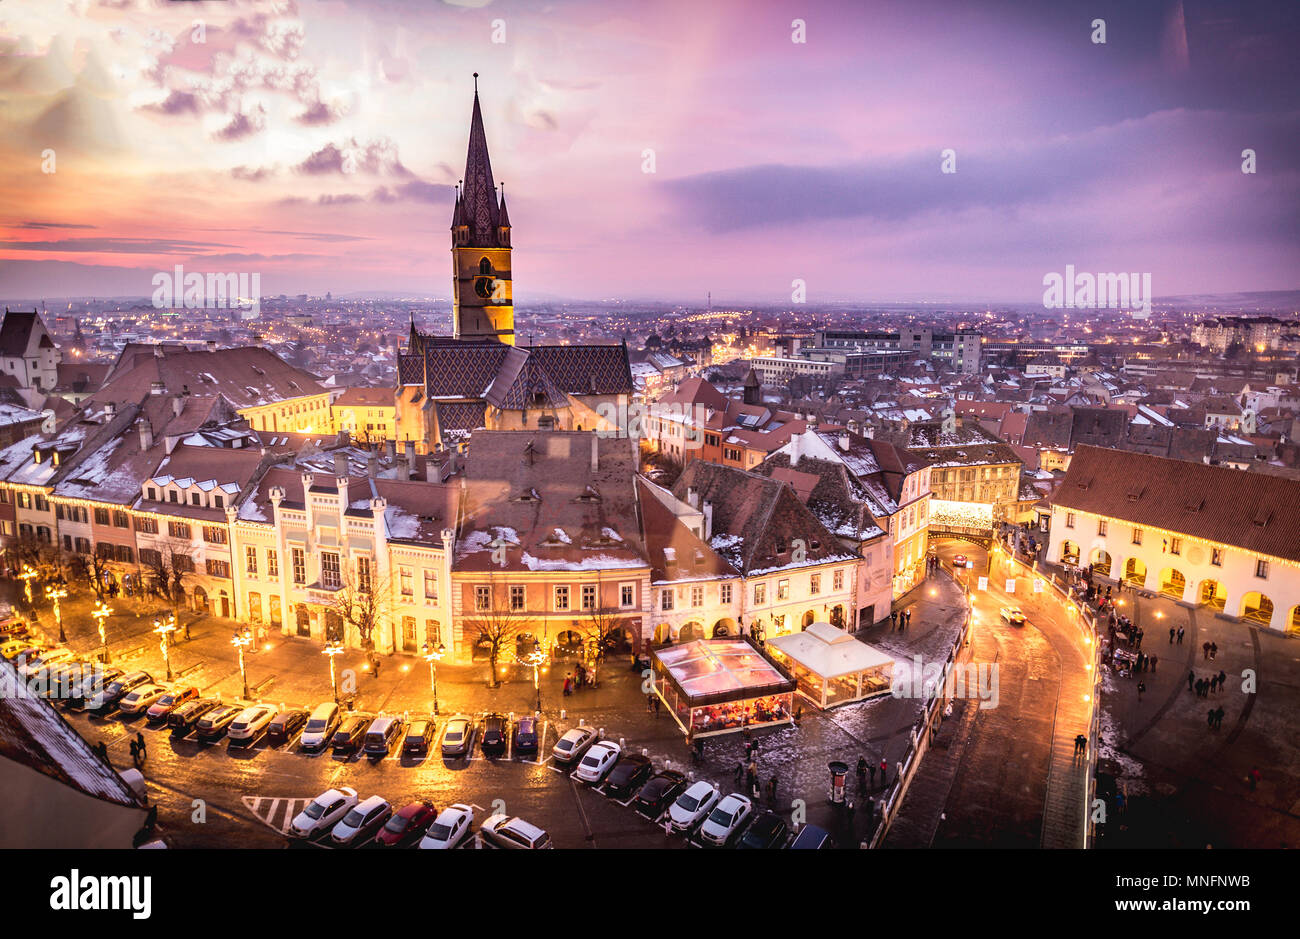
(1257, 608)
(1172, 583)
(1135, 572)
(1069, 553)
(1293, 621)
(1213, 595)
(690, 632)
(725, 627)
(837, 615)
(1101, 562)
(200, 597)
(808, 619)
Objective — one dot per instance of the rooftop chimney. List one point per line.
(391, 447)
(693, 497)
(708, 520)
(146, 433)
(844, 442)
(110, 411)
(178, 405)
(372, 464)
(410, 459)
(595, 452)
(157, 388)
(340, 465)
(794, 449)
(211, 345)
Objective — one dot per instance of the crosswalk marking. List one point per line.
(276, 813)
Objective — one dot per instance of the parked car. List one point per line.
(419, 736)
(141, 699)
(55, 680)
(450, 829)
(693, 806)
(767, 831)
(382, 733)
(658, 793)
(161, 709)
(493, 739)
(116, 690)
(86, 690)
(350, 735)
(362, 822)
(726, 820)
(457, 736)
(212, 725)
(321, 726)
(573, 745)
(186, 717)
(284, 725)
(1012, 615)
(43, 659)
(407, 826)
(812, 838)
(12, 648)
(628, 775)
(525, 734)
(508, 831)
(960, 561)
(323, 811)
(251, 723)
(598, 761)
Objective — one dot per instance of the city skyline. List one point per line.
(321, 146)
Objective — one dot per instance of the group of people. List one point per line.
(899, 619)
(580, 678)
(866, 769)
(747, 770)
(1204, 687)
(138, 750)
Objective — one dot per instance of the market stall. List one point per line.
(719, 686)
(830, 667)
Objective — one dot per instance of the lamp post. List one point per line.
(165, 630)
(28, 573)
(333, 648)
(239, 641)
(433, 657)
(535, 659)
(101, 613)
(57, 593)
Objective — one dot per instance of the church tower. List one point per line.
(482, 297)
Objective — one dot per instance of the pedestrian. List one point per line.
(1140, 634)
(893, 622)
(1223, 677)
(655, 701)
(1218, 717)
(1153, 660)
(1141, 690)
(1181, 631)
(567, 684)
(377, 663)
(740, 771)
(1205, 650)
(135, 754)
(1254, 777)
(187, 630)
(1209, 718)
(650, 703)
(909, 619)
(1214, 649)
(1172, 633)
(884, 772)
(139, 739)
(1191, 677)
(771, 791)
(1200, 687)
(862, 775)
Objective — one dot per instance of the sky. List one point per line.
(318, 143)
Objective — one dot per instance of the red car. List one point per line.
(408, 826)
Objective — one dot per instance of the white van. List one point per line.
(320, 726)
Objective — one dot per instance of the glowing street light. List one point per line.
(101, 612)
(433, 657)
(535, 659)
(333, 648)
(165, 630)
(57, 593)
(239, 641)
(28, 573)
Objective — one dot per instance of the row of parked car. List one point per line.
(351, 822)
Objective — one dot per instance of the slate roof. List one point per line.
(695, 559)
(1254, 512)
(247, 376)
(16, 333)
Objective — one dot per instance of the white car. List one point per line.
(600, 759)
(43, 660)
(362, 823)
(693, 805)
(726, 820)
(141, 699)
(251, 722)
(450, 828)
(322, 723)
(507, 831)
(323, 811)
(1012, 615)
(573, 744)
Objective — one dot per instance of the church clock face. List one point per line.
(484, 287)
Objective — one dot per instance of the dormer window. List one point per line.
(172, 496)
(152, 494)
(196, 499)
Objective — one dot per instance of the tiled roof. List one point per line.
(584, 370)
(16, 332)
(1254, 512)
(247, 377)
(460, 416)
(695, 560)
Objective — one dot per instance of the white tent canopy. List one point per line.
(830, 666)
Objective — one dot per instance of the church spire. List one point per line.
(481, 210)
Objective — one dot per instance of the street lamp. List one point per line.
(101, 613)
(239, 641)
(433, 657)
(28, 573)
(535, 660)
(165, 630)
(57, 593)
(333, 648)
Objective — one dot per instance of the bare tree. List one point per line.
(362, 602)
(170, 563)
(496, 625)
(596, 626)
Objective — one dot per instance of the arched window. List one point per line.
(485, 267)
